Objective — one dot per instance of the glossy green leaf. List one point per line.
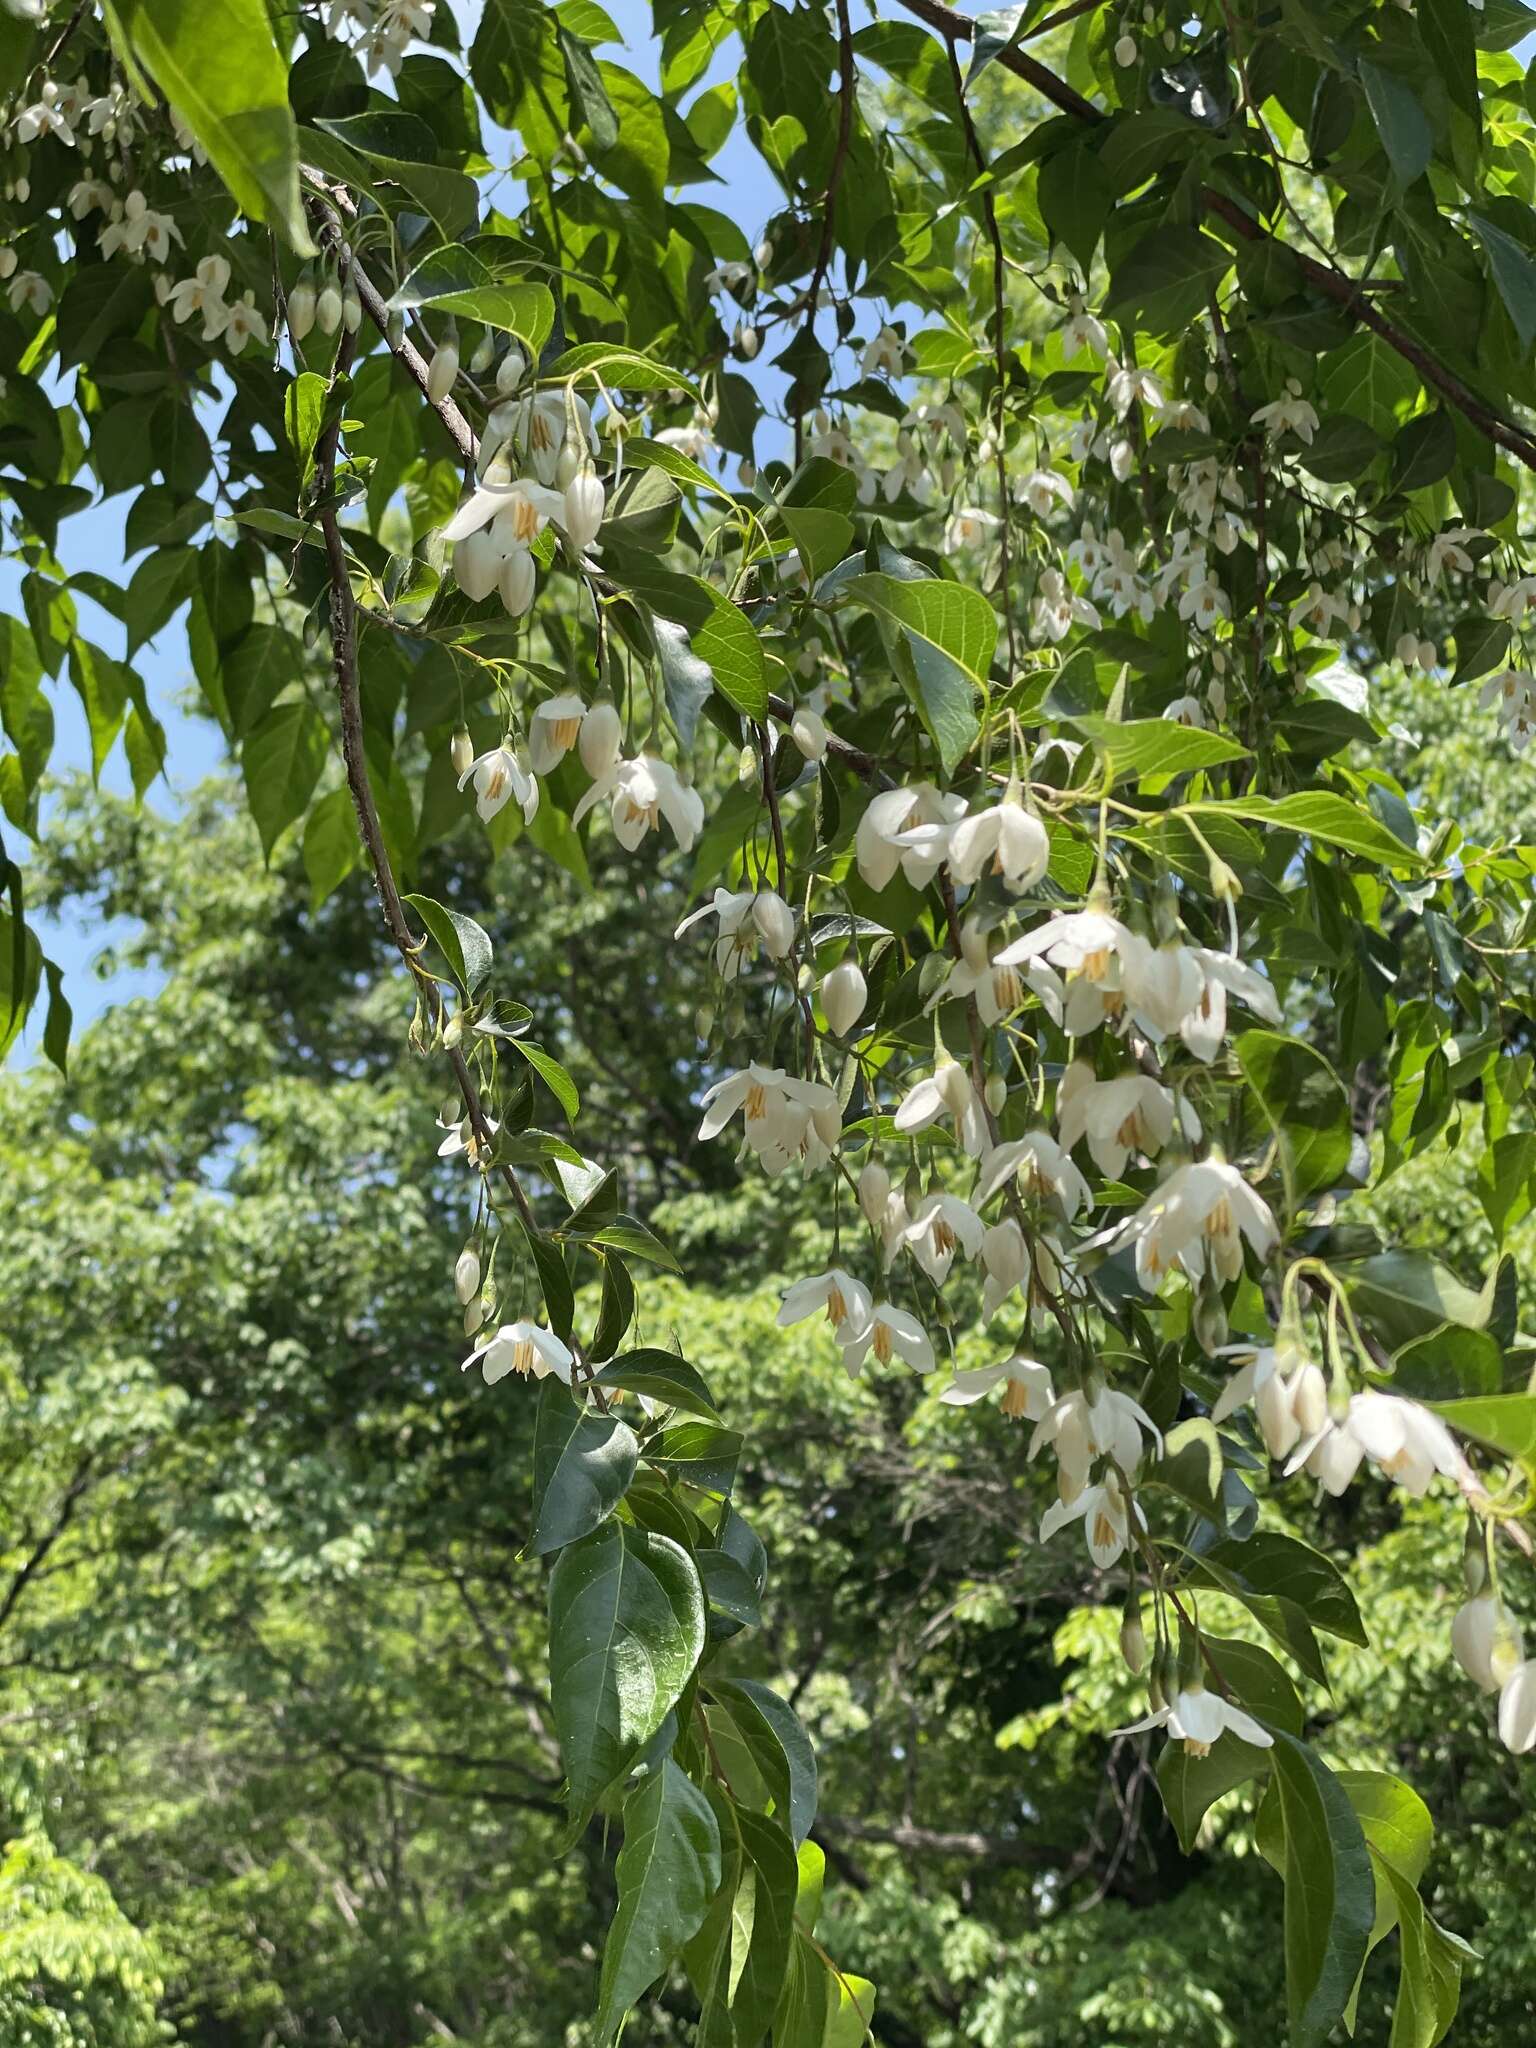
(667, 1872)
(583, 1462)
(626, 1628)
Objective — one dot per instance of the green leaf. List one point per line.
(222, 71)
(779, 1746)
(1156, 746)
(254, 673)
(667, 1872)
(102, 685)
(1282, 1567)
(642, 454)
(1306, 1106)
(454, 280)
(701, 1454)
(582, 1465)
(1481, 644)
(627, 1234)
(1506, 1176)
(588, 92)
(1505, 1422)
(1400, 121)
(332, 848)
(1329, 1891)
(661, 1376)
(620, 368)
(1075, 194)
(949, 635)
(1166, 279)
(1367, 378)
(719, 634)
(1321, 815)
(462, 943)
(1429, 1974)
(303, 412)
(281, 761)
(161, 584)
(550, 1072)
(626, 1628)
(1407, 1294)
(1513, 273)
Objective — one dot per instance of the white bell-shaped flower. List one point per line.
(1105, 1512)
(1127, 1115)
(940, 1226)
(948, 1093)
(907, 829)
(844, 993)
(500, 777)
(522, 1348)
(889, 1333)
(1486, 1642)
(748, 919)
(1007, 840)
(1199, 1719)
(1027, 1391)
(1197, 1219)
(846, 1302)
(1040, 1167)
(1401, 1437)
(553, 731)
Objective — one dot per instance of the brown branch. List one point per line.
(999, 348)
(78, 1486)
(343, 610)
(1345, 291)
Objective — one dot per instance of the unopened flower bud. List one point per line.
(394, 329)
(301, 307)
(762, 255)
(474, 1316)
(517, 582)
(509, 371)
(1125, 52)
(351, 308)
(328, 308)
(1133, 1638)
(484, 355)
(1474, 1557)
(453, 1031)
(461, 750)
(584, 503)
(746, 340)
(444, 367)
(843, 996)
(601, 735)
(1225, 886)
(996, 1094)
(1210, 1323)
(466, 1273)
(874, 1192)
(1309, 1399)
(912, 1188)
(808, 730)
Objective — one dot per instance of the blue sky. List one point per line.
(93, 540)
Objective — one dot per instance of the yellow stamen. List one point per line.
(883, 1343)
(757, 1101)
(522, 1356)
(1015, 1398)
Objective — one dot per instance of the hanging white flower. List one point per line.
(847, 1303)
(500, 777)
(1486, 1642)
(1404, 1439)
(1105, 1513)
(1026, 1388)
(1199, 1719)
(889, 1333)
(1197, 1219)
(553, 730)
(885, 356)
(941, 1225)
(1517, 1711)
(909, 829)
(639, 794)
(1088, 947)
(1082, 1430)
(203, 293)
(946, 1093)
(968, 527)
(1005, 1261)
(1131, 1113)
(522, 1348)
(1008, 839)
(748, 918)
(1041, 1168)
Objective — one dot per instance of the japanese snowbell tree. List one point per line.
(1138, 383)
